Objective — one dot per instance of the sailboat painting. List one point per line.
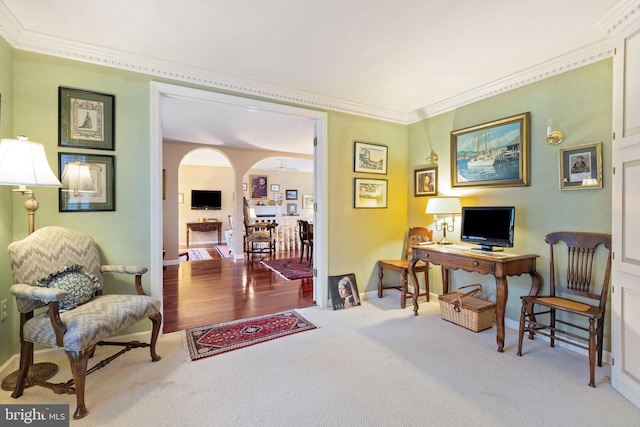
(493, 154)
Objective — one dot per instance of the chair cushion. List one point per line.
(97, 319)
(80, 286)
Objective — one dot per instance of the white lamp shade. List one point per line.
(23, 162)
(76, 178)
(443, 206)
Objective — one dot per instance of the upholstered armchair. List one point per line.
(60, 269)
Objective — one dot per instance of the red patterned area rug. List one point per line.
(290, 268)
(208, 341)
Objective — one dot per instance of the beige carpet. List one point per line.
(373, 365)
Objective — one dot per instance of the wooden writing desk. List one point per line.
(499, 264)
(205, 226)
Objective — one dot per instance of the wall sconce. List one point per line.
(432, 158)
(444, 206)
(554, 137)
(22, 163)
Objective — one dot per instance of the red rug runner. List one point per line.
(208, 341)
(290, 268)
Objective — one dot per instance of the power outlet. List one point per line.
(4, 308)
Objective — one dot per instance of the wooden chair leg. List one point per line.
(380, 274)
(26, 360)
(78, 361)
(156, 320)
(592, 352)
(521, 328)
(404, 290)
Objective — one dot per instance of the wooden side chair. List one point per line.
(574, 310)
(306, 240)
(259, 236)
(60, 269)
(401, 266)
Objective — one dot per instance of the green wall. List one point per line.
(580, 104)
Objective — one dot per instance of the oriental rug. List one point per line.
(197, 254)
(290, 268)
(208, 341)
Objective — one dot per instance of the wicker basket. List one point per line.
(468, 309)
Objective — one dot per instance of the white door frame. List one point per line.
(161, 90)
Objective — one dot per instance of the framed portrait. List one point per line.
(344, 291)
(494, 154)
(369, 193)
(370, 158)
(85, 119)
(291, 194)
(581, 167)
(307, 201)
(88, 182)
(259, 186)
(292, 209)
(426, 181)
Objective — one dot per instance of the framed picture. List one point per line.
(369, 193)
(85, 119)
(291, 194)
(277, 197)
(88, 182)
(180, 198)
(292, 209)
(275, 187)
(494, 154)
(370, 158)
(244, 186)
(259, 186)
(344, 291)
(426, 181)
(307, 201)
(581, 167)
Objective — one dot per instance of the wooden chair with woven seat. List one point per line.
(571, 290)
(415, 235)
(259, 237)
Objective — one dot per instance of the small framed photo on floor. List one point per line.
(344, 291)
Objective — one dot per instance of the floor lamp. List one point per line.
(23, 163)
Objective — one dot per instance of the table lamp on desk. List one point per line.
(444, 206)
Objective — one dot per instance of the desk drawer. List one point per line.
(454, 262)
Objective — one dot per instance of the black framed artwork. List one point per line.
(86, 119)
(88, 182)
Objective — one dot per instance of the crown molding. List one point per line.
(20, 39)
(618, 17)
(576, 59)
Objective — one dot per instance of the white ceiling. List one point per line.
(398, 60)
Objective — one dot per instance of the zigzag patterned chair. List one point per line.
(60, 268)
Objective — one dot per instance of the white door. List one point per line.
(625, 297)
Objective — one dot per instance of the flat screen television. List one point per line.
(206, 200)
(488, 226)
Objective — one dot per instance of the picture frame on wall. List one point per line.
(86, 119)
(259, 186)
(370, 158)
(88, 182)
(307, 201)
(291, 194)
(426, 181)
(292, 209)
(369, 193)
(581, 167)
(494, 154)
(275, 187)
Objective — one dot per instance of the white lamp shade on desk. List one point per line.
(443, 206)
(23, 162)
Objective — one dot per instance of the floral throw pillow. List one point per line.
(80, 286)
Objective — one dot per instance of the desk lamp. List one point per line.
(23, 163)
(444, 206)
